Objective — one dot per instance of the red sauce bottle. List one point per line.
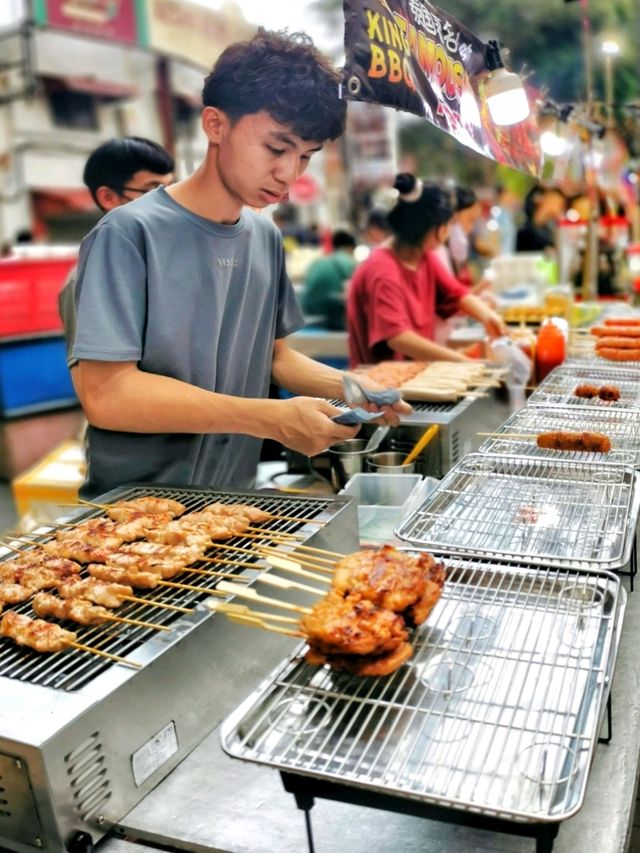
(551, 349)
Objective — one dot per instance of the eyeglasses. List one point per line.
(120, 190)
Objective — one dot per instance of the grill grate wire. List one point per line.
(557, 388)
(575, 514)
(73, 669)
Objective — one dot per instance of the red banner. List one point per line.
(414, 56)
(111, 20)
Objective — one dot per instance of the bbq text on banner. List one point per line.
(414, 56)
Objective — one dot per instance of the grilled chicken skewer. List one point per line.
(84, 612)
(44, 636)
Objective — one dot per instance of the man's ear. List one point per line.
(108, 198)
(214, 124)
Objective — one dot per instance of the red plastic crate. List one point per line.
(29, 289)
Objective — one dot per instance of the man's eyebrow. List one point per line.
(283, 137)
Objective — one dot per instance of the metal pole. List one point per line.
(590, 261)
(608, 80)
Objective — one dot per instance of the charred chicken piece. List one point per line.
(35, 633)
(128, 576)
(352, 626)
(253, 513)
(122, 510)
(14, 593)
(80, 551)
(94, 531)
(74, 609)
(371, 665)
(385, 576)
(98, 592)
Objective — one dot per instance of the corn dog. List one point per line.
(587, 442)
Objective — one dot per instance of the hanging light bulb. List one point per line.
(506, 97)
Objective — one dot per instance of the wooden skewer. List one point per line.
(137, 622)
(290, 565)
(311, 562)
(157, 603)
(254, 622)
(511, 434)
(296, 569)
(212, 574)
(241, 592)
(176, 585)
(282, 583)
(335, 554)
(224, 562)
(228, 606)
(102, 654)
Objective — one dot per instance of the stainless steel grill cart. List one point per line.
(493, 722)
(575, 514)
(621, 426)
(558, 387)
(83, 739)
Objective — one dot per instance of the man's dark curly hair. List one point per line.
(286, 76)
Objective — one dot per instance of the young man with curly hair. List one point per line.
(183, 299)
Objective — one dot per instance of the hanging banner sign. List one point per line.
(414, 56)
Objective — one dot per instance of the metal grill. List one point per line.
(73, 669)
(558, 387)
(420, 408)
(622, 427)
(497, 711)
(575, 514)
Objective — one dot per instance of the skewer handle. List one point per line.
(102, 654)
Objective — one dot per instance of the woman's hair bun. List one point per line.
(405, 182)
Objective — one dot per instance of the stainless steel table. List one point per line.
(214, 803)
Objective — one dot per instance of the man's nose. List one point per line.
(289, 170)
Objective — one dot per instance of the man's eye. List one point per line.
(276, 151)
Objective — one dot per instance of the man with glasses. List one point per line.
(117, 172)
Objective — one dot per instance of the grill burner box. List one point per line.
(82, 739)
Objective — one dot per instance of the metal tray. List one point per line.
(621, 426)
(558, 387)
(496, 713)
(574, 514)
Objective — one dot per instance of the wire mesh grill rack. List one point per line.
(497, 712)
(576, 514)
(73, 669)
(622, 427)
(558, 388)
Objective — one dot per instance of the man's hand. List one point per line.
(494, 324)
(304, 424)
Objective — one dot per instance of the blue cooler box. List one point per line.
(34, 376)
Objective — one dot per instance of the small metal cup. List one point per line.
(389, 463)
(347, 458)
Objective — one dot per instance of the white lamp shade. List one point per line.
(506, 98)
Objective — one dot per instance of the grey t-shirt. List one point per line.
(188, 298)
(67, 312)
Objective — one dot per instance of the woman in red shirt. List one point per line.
(396, 293)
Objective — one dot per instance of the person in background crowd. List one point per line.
(376, 229)
(543, 207)
(183, 298)
(326, 279)
(456, 250)
(507, 203)
(397, 292)
(117, 172)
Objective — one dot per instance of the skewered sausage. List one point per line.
(609, 393)
(586, 391)
(621, 331)
(617, 342)
(619, 354)
(587, 442)
(622, 321)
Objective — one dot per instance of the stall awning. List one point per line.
(108, 90)
(61, 201)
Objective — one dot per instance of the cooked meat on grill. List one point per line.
(77, 549)
(94, 531)
(13, 571)
(586, 442)
(129, 576)
(253, 513)
(610, 393)
(35, 633)
(587, 391)
(137, 524)
(164, 560)
(176, 533)
(371, 665)
(122, 510)
(73, 609)
(215, 526)
(420, 611)
(14, 593)
(96, 591)
(386, 576)
(352, 626)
